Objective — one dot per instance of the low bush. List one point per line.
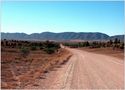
(24, 51)
(49, 50)
(50, 47)
(33, 48)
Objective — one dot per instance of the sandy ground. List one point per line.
(118, 53)
(17, 72)
(84, 70)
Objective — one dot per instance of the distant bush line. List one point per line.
(27, 46)
(115, 44)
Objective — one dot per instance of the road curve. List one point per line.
(85, 70)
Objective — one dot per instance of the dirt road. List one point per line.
(84, 70)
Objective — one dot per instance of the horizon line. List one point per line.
(60, 32)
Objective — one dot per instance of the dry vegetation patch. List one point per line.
(18, 71)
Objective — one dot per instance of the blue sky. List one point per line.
(69, 16)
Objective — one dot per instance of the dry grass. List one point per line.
(106, 51)
(18, 72)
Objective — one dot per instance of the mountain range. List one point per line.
(60, 36)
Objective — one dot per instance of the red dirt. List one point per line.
(106, 51)
(16, 71)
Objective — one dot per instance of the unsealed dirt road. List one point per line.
(84, 70)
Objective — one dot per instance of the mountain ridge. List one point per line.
(61, 36)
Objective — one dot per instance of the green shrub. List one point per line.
(41, 47)
(50, 47)
(33, 48)
(24, 51)
(50, 50)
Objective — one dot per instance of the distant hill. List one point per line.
(121, 37)
(60, 36)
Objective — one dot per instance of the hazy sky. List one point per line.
(37, 17)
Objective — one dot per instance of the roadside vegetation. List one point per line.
(24, 61)
(114, 44)
(26, 46)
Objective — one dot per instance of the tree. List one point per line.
(115, 41)
(122, 46)
(111, 42)
(87, 43)
(119, 41)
